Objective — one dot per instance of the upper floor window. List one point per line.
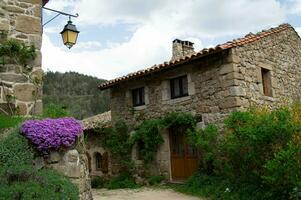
(179, 87)
(138, 97)
(266, 82)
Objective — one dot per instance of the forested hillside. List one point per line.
(76, 92)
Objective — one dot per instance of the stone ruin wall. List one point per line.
(73, 163)
(22, 20)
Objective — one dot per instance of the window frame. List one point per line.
(98, 160)
(182, 93)
(266, 82)
(141, 96)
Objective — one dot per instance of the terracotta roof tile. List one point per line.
(249, 38)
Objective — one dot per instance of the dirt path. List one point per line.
(140, 194)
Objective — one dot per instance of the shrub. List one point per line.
(55, 111)
(116, 140)
(155, 180)
(149, 133)
(9, 121)
(97, 182)
(52, 133)
(18, 178)
(123, 180)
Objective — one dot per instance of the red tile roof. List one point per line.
(249, 38)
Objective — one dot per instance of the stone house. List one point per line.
(22, 20)
(261, 68)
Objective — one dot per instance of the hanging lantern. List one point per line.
(69, 34)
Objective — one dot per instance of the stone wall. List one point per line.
(217, 85)
(93, 143)
(73, 163)
(280, 54)
(21, 20)
(212, 95)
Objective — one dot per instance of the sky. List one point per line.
(121, 36)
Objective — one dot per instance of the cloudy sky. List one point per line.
(121, 36)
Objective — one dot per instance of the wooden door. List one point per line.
(184, 159)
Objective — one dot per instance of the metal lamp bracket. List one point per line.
(58, 14)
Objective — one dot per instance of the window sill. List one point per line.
(176, 100)
(267, 98)
(142, 107)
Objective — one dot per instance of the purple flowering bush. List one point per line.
(49, 134)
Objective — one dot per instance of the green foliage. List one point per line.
(18, 178)
(55, 111)
(253, 138)
(259, 149)
(219, 188)
(76, 92)
(10, 121)
(116, 140)
(155, 180)
(123, 180)
(206, 141)
(16, 52)
(15, 151)
(283, 171)
(97, 182)
(179, 119)
(149, 134)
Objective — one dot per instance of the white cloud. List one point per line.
(193, 17)
(145, 48)
(293, 7)
(155, 24)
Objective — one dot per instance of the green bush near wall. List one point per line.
(20, 180)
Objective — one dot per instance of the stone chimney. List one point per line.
(181, 49)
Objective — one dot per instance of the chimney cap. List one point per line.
(188, 43)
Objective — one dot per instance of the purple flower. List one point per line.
(52, 133)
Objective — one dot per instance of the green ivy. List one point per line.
(116, 140)
(13, 51)
(149, 134)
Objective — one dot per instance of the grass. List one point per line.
(217, 188)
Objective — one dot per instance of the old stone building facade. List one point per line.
(22, 20)
(258, 69)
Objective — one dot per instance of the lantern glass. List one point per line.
(69, 35)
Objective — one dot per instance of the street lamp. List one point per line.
(69, 33)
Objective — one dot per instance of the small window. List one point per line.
(97, 161)
(138, 97)
(179, 87)
(266, 82)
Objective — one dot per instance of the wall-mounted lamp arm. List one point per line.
(59, 13)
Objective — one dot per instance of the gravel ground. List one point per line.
(140, 194)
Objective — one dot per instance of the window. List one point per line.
(97, 161)
(138, 97)
(266, 82)
(179, 87)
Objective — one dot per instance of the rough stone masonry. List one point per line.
(22, 20)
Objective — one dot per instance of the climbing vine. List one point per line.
(149, 133)
(118, 141)
(15, 52)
